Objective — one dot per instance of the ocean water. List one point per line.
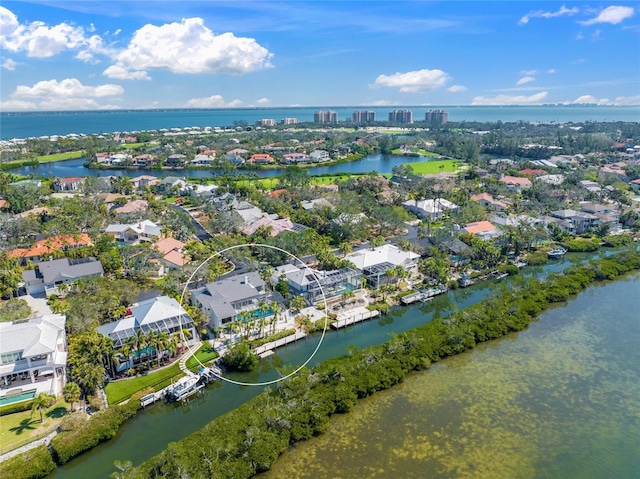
(25, 125)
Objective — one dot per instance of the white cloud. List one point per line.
(69, 87)
(415, 81)
(618, 101)
(120, 73)
(214, 101)
(263, 101)
(190, 47)
(9, 64)
(524, 80)
(529, 73)
(68, 94)
(456, 88)
(37, 39)
(551, 71)
(542, 14)
(612, 14)
(510, 100)
(117, 32)
(18, 105)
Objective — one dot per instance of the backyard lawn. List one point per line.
(23, 427)
(436, 166)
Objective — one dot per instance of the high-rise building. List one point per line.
(401, 116)
(363, 116)
(289, 121)
(436, 116)
(325, 116)
(266, 122)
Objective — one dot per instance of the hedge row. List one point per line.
(101, 426)
(31, 464)
(16, 407)
(247, 440)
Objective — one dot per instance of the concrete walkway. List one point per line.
(27, 447)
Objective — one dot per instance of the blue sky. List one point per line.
(89, 55)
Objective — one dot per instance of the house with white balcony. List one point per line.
(33, 357)
(375, 263)
(144, 231)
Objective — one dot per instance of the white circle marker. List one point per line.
(324, 299)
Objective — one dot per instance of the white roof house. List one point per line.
(387, 253)
(143, 231)
(33, 354)
(431, 208)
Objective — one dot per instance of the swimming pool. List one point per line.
(23, 396)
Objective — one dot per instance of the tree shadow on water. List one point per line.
(26, 424)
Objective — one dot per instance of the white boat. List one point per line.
(183, 388)
(557, 252)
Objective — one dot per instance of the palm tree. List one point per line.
(266, 274)
(161, 344)
(150, 341)
(275, 307)
(42, 401)
(138, 341)
(71, 393)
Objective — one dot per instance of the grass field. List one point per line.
(119, 391)
(420, 152)
(70, 155)
(436, 166)
(23, 427)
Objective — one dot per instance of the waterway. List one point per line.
(376, 162)
(151, 430)
(559, 400)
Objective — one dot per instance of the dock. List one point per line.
(415, 297)
(185, 387)
(353, 317)
(263, 351)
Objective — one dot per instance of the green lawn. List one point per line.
(23, 427)
(70, 155)
(416, 151)
(430, 167)
(119, 391)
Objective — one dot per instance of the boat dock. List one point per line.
(415, 297)
(353, 317)
(183, 388)
(267, 349)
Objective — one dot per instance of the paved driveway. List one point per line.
(38, 304)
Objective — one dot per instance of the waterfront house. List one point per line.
(205, 159)
(33, 356)
(143, 231)
(228, 299)
(159, 314)
(312, 284)
(374, 263)
(140, 182)
(575, 222)
(295, 158)
(68, 184)
(48, 276)
(484, 230)
(318, 156)
(144, 161)
(260, 159)
(175, 160)
(43, 248)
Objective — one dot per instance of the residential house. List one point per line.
(485, 230)
(236, 155)
(374, 263)
(205, 159)
(487, 201)
(161, 314)
(68, 184)
(318, 203)
(172, 252)
(144, 161)
(175, 160)
(33, 357)
(226, 299)
(532, 172)
(48, 276)
(515, 182)
(260, 159)
(591, 186)
(273, 225)
(614, 170)
(554, 180)
(135, 206)
(144, 231)
(575, 222)
(44, 247)
(515, 220)
(295, 158)
(140, 182)
(318, 285)
(318, 156)
(432, 209)
(171, 185)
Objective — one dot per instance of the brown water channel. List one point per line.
(559, 400)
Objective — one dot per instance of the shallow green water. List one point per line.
(559, 400)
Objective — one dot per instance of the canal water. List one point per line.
(152, 429)
(376, 162)
(559, 400)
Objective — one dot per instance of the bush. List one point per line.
(32, 464)
(240, 358)
(99, 427)
(617, 240)
(537, 258)
(582, 245)
(17, 407)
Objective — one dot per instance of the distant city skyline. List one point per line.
(79, 55)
